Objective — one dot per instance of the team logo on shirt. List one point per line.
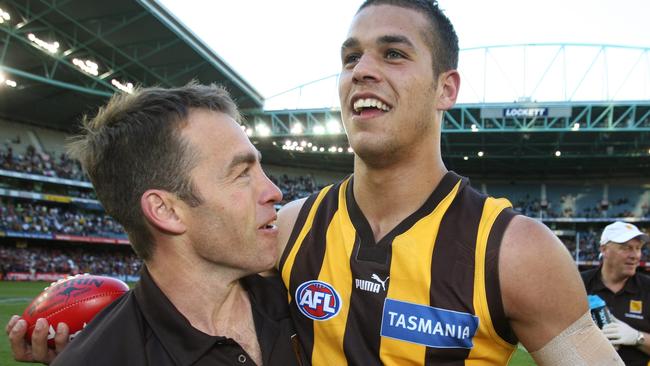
(318, 300)
(636, 306)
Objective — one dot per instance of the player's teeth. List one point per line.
(370, 103)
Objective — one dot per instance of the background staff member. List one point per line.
(626, 292)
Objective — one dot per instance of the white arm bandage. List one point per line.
(580, 344)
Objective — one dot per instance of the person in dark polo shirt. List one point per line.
(625, 291)
(176, 170)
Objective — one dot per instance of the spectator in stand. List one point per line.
(69, 260)
(295, 188)
(41, 163)
(36, 218)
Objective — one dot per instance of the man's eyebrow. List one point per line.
(383, 40)
(350, 43)
(392, 38)
(243, 158)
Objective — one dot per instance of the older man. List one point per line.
(626, 293)
(175, 169)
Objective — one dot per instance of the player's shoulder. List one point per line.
(288, 214)
(527, 235)
(529, 247)
(292, 216)
(292, 208)
(287, 217)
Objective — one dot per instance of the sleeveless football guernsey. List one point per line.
(425, 294)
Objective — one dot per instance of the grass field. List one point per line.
(14, 297)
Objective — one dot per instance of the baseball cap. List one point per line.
(620, 232)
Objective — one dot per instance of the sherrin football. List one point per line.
(74, 300)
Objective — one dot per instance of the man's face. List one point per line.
(622, 258)
(387, 85)
(233, 225)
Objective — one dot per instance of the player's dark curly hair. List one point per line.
(441, 37)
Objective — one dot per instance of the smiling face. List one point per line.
(234, 224)
(622, 259)
(387, 85)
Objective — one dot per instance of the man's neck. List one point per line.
(612, 280)
(388, 195)
(200, 299)
(210, 297)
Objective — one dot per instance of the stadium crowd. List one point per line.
(566, 207)
(41, 163)
(588, 248)
(32, 217)
(71, 260)
(295, 187)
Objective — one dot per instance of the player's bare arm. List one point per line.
(286, 219)
(545, 300)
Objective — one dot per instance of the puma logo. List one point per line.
(383, 283)
(370, 286)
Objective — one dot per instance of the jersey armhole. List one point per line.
(297, 227)
(492, 283)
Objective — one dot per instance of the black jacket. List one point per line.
(144, 328)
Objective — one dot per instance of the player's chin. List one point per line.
(267, 238)
(267, 241)
(265, 259)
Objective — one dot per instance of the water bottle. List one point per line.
(599, 311)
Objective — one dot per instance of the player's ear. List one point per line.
(448, 87)
(159, 208)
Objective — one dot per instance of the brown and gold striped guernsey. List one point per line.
(426, 293)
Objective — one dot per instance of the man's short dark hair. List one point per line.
(134, 144)
(441, 37)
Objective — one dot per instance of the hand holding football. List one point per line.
(74, 301)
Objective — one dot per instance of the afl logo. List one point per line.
(318, 300)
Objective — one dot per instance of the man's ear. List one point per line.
(602, 249)
(448, 87)
(159, 208)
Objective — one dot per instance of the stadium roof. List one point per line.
(117, 42)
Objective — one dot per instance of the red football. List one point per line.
(74, 301)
